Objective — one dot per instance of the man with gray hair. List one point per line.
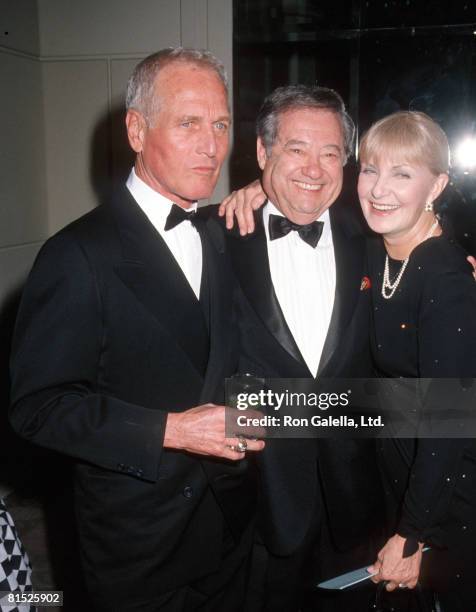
(124, 337)
(306, 314)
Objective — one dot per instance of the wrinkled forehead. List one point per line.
(189, 79)
(317, 124)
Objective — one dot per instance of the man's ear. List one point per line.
(136, 129)
(261, 153)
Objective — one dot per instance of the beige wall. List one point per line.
(75, 101)
(19, 29)
(23, 214)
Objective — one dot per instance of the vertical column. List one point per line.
(220, 42)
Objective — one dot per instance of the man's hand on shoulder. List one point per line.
(201, 430)
(242, 204)
(472, 261)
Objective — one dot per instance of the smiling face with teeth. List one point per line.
(393, 194)
(302, 174)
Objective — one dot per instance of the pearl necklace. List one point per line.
(392, 287)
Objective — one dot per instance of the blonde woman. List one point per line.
(424, 299)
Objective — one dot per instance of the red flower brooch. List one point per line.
(365, 283)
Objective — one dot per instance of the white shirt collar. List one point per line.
(326, 237)
(154, 204)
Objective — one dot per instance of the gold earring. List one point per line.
(429, 207)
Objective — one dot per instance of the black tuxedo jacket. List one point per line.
(346, 484)
(109, 339)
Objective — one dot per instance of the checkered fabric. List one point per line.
(15, 568)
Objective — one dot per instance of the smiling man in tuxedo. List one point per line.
(306, 314)
(124, 337)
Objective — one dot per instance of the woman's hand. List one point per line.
(472, 261)
(242, 203)
(394, 568)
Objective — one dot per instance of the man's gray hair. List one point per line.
(140, 94)
(293, 97)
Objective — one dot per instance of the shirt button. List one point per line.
(187, 492)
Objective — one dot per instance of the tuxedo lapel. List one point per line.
(152, 274)
(251, 265)
(218, 302)
(349, 256)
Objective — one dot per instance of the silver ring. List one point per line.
(402, 586)
(242, 446)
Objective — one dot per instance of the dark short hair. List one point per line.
(294, 97)
(140, 87)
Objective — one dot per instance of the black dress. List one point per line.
(427, 329)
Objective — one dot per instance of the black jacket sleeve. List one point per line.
(57, 400)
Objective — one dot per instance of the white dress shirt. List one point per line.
(304, 280)
(183, 240)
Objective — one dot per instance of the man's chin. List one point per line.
(308, 214)
(200, 190)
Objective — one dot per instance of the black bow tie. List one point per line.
(177, 215)
(281, 226)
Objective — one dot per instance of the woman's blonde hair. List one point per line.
(410, 136)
